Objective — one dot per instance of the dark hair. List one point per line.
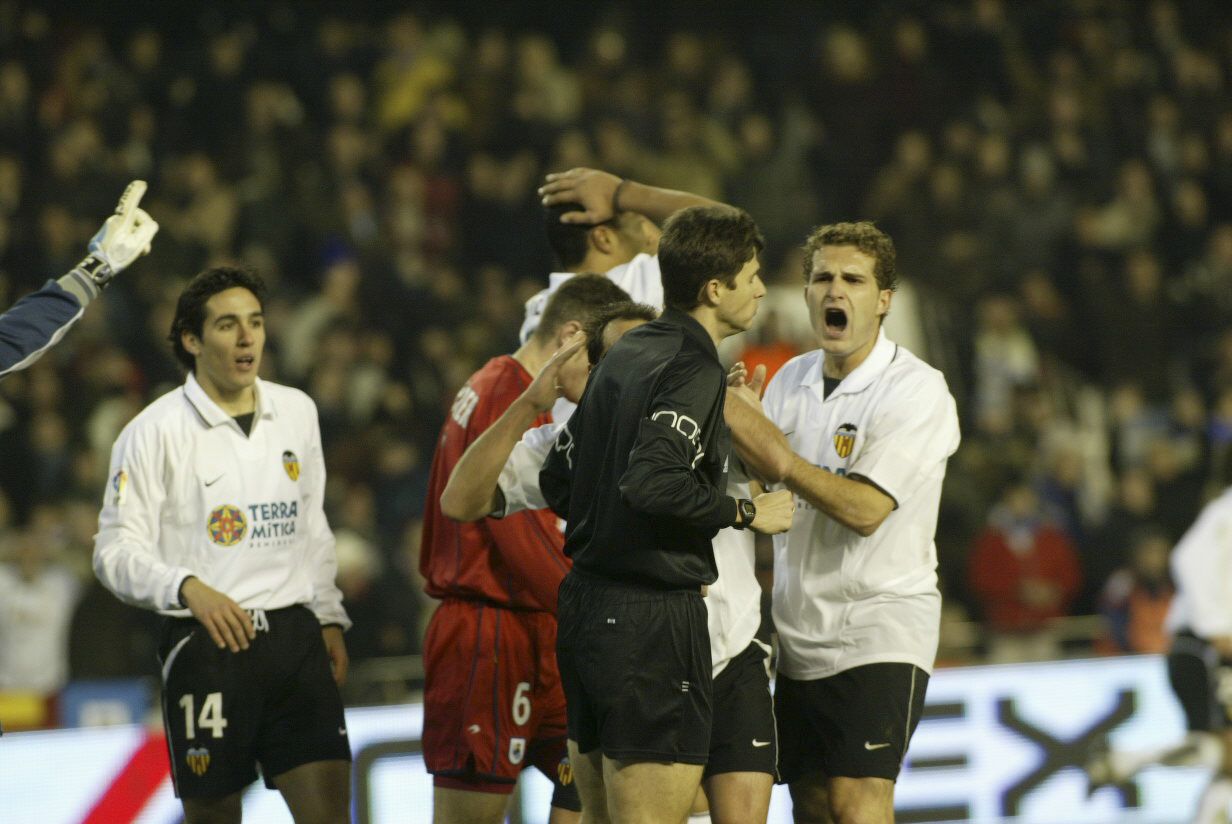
(703, 243)
(578, 298)
(864, 236)
(569, 241)
(624, 310)
(190, 308)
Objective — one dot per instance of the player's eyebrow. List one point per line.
(235, 316)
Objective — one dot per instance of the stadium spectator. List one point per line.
(1023, 571)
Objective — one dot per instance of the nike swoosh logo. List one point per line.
(216, 480)
(757, 743)
(870, 746)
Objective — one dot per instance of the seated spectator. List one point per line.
(37, 597)
(1023, 571)
(1136, 598)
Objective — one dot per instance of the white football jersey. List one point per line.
(190, 494)
(842, 600)
(733, 605)
(639, 277)
(1202, 570)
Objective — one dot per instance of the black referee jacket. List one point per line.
(639, 473)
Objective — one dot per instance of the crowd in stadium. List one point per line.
(1057, 177)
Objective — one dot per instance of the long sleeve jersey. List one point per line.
(1202, 569)
(640, 470)
(34, 324)
(191, 494)
(513, 562)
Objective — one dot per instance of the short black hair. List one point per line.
(702, 243)
(623, 310)
(579, 298)
(190, 308)
(569, 241)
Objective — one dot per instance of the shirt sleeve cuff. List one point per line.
(729, 511)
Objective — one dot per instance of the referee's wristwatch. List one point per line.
(747, 512)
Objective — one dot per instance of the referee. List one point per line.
(639, 474)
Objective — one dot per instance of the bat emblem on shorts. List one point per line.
(198, 760)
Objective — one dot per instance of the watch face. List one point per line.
(747, 512)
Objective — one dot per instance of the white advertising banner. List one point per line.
(995, 744)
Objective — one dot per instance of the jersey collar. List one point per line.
(212, 414)
(691, 328)
(882, 355)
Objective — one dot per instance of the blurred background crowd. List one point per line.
(1057, 176)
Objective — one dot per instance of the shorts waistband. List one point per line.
(631, 587)
(260, 617)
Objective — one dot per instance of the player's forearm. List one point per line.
(656, 203)
(761, 445)
(857, 505)
(471, 492)
(34, 324)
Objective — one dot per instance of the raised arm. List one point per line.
(39, 320)
(603, 195)
(472, 491)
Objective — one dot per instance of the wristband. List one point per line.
(616, 197)
(94, 269)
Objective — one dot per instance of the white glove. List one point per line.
(125, 236)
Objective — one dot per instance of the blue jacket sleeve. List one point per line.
(34, 324)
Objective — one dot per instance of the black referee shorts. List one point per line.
(635, 666)
(274, 704)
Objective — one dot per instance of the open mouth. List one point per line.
(835, 320)
(245, 361)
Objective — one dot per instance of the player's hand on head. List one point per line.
(228, 624)
(126, 235)
(545, 388)
(774, 512)
(593, 189)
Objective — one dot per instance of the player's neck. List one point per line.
(708, 317)
(532, 355)
(240, 401)
(598, 263)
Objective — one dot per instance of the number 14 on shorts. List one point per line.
(210, 717)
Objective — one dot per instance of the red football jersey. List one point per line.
(516, 561)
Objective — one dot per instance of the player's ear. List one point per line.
(883, 302)
(191, 343)
(603, 238)
(566, 331)
(710, 292)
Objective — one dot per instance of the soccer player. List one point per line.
(856, 603)
(499, 474)
(640, 474)
(214, 517)
(598, 222)
(492, 700)
(1199, 665)
(40, 319)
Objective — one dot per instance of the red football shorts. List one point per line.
(493, 702)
